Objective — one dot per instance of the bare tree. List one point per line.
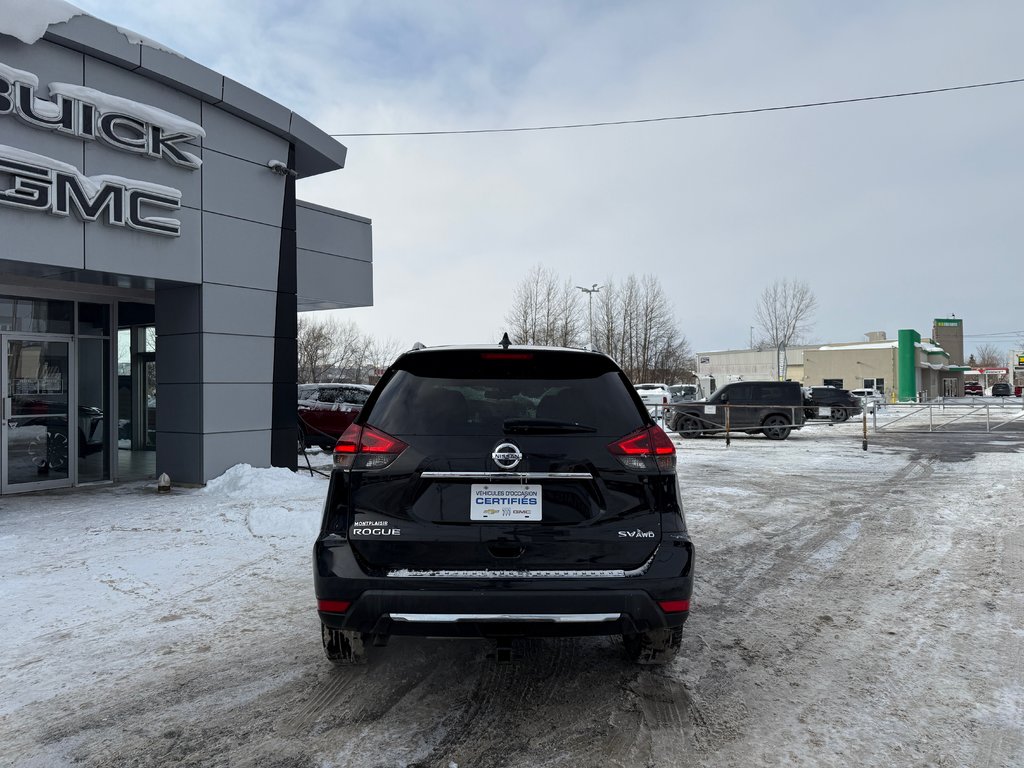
(383, 352)
(545, 310)
(353, 351)
(783, 313)
(635, 323)
(989, 356)
(317, 352)
(330, 350)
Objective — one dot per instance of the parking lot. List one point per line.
(852, 608)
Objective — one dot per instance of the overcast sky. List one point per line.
(894, 212)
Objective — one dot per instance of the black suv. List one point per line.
(831, 403)
(772, 408)
(503, 492)
(1001, 389)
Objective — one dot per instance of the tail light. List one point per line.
(674, 606)
(648, 449)
(362, 447)
(332, 606)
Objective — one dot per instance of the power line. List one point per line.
(697, 116)
(995, 336)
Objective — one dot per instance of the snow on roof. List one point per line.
(28, 20)
(888, 344)
(136, 39)
(31, 20)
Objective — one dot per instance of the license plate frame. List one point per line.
(506, 503)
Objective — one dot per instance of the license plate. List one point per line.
(505, 503)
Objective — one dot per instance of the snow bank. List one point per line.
(273, 501)
(243, 481)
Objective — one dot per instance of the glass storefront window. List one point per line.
(93, 319)
(124, 352)
(93, 410)
(21, 314)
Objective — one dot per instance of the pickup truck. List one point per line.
(654, 396)
(771, 408)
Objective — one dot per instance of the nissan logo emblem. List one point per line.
(507, 456)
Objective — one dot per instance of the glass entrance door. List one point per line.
(37, 432)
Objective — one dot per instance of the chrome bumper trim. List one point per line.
(556, 618)
(513, 573)
(498, 476)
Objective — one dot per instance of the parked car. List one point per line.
(503, 492)
(772, 408)
(1017, 391)
(870, 398)
(1001, 389)
(973, 388)
(325, 411)
(831, 403)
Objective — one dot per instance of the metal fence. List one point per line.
(955, 416)
(950, 416)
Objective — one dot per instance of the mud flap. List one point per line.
(658, 646)
(343, 647)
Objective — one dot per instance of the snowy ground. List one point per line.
(852, 608)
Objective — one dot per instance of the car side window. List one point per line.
(354, 395)
(327, 395)
(741, 394)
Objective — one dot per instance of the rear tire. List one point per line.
(343, 647)
(688, 427)
(837, 414)
(657, 646)
(776, 427)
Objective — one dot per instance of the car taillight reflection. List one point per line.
(364, 447)
(648, 449)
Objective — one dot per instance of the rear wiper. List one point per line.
(544, 425)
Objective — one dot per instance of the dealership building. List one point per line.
(153, 258)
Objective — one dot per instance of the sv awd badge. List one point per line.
(637, 534)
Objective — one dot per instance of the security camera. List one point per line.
(281, 169)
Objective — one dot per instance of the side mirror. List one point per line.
(724, 398)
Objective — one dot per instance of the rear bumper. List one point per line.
(492, 613)
(502, 607)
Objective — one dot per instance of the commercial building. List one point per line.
(153, 257)
(906, 368)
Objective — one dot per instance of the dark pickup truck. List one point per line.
(772, 408)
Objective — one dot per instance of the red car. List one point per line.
(1017, 390)
(326, 410)
(973, 388)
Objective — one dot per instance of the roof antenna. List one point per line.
(505, 341)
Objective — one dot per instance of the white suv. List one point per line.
(871, 398)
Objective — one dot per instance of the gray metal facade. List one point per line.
(248, 256)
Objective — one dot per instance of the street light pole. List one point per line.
(590, 306)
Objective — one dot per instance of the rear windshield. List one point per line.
(460, 393)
